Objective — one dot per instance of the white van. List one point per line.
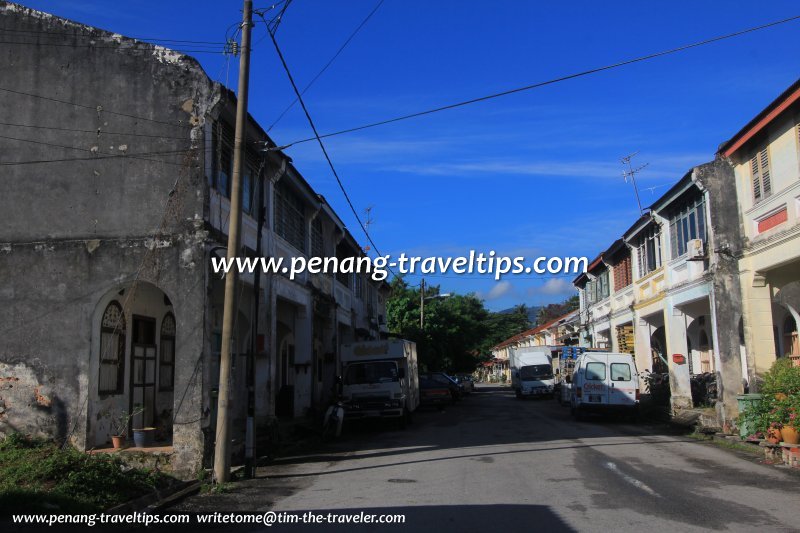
(604, 382)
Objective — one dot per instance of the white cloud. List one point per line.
(553, 287)
(503, 288)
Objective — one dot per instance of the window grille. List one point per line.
(112, 349)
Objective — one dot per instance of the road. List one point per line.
(492, 461)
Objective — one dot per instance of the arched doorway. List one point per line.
(134, 341)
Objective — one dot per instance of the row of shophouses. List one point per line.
(553, 334)
(708, 279)
(115, 196)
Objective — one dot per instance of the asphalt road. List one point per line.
(493, 462)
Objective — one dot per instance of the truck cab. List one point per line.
(379, 379)
(532, 372)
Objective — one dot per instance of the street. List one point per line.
(492, 460)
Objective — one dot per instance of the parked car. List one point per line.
(434, 393)
(444, 379)
(467, 382)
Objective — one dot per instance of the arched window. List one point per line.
(166, 364)
(112, 350)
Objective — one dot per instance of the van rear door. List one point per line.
(622, 381)
(595, 382)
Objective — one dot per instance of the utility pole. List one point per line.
(222, 454)
(422, 304)
(631, 173)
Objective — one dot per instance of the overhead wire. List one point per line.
(328, 64)
(93, 108)
(548, 82)
(322, 146)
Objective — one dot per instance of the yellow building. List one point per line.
(765, 154)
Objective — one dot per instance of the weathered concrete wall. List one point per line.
(82, 224)
(95, 107)
(724, 247)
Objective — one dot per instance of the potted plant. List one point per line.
(791, 430)
(119, 428)
(776, 414)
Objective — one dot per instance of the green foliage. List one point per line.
(457, 331)
(780, 402)
(552, 311)
(36, 475)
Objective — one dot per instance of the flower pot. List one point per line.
(144, 437)
(118, 441)
(790, 435)
(774, 435)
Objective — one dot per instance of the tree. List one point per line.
(552, 311)
(458, 332)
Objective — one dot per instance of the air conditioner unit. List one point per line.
(694, 249)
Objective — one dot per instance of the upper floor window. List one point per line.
(685, 224)
(648, 251)
(598, 288)
(316, 238)
(289, 217)
(222, 140)
(759, 169)
(622, 273)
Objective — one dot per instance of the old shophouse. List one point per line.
(115, 190)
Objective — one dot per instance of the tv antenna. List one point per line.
(631, 173)
(368, 220)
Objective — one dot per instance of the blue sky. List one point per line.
(536, 173)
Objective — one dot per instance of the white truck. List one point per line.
(380, 379)
(531, 371)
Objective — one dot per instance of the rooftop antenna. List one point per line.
(368, 220)
(631, 173)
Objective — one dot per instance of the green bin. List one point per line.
(744, 401)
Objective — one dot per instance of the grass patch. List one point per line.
(748, 448)
(38, 476)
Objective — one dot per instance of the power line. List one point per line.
(98, 157)
(99, 109)
(549, 82)
(89, 36)
(120, 48)
(94, 132)
(77, 148)
(328, 64)
(322, 145)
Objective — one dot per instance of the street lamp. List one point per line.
(422, 299)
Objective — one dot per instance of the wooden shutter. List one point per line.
(756, 179)
(766, 184)
(762, 182)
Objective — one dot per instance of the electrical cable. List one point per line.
(328, 64)
(119, 48)
(93, 108)
(548, 82)
(322, 146)
(94, 132)
(143, 39)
